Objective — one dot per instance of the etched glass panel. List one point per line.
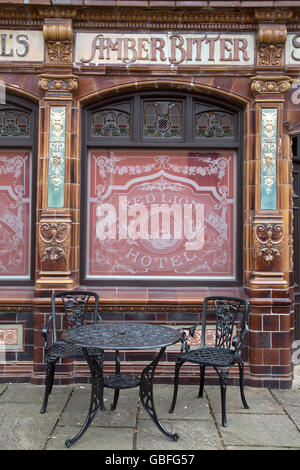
(161, 213)
(15, 214)
(110, 123)
(14, 123)
(162, 119)
(214, 124)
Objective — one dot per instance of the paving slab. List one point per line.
(193, 435)
(287, 397)
(96, 438)
(262, 430)
(188, 406)
(77, 408)
(22, 427)
(26, 393)
(259, 400)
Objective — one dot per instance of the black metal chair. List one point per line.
(75, 306)
(226, 352)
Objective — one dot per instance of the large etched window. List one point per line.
(15, 213)
(157, 213)
(17, 163)
(164, 205)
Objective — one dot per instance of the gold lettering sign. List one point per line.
(164, 49)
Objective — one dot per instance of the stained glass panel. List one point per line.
(110, 123)
(214, 124)
(14, 123)
(162, 119)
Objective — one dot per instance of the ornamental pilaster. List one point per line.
(57, 143)
(270, 224)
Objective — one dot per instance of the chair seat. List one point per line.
(209, 356)
(62, 349)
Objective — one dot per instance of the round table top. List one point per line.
(123, 335)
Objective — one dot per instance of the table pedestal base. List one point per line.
(119, 381)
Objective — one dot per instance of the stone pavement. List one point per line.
(271, 423)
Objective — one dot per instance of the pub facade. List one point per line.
(149, 152)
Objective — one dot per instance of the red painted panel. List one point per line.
(15, 213)
(129, 190)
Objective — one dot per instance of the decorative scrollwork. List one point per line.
(269, 238)
(54, 241)
(274, 85)
(271, 42)
(65, 83)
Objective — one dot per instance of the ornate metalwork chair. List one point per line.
(226, 351)
(75, 306)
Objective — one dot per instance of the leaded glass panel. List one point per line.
(110, 123)
(214, 124)
(162, 119)
(14, 123)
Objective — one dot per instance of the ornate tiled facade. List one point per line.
(203, 97)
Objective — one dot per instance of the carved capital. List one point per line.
(58, 36)
(270, 84)
(270, 44)
(58, 83)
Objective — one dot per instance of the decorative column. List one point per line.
(269, 237)
(57, 143)
(57, 198)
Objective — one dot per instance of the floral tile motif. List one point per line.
(11, 338)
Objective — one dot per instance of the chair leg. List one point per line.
(50, 370)
(241, 368)
(223, 374)
(202, 375)
(177, 369)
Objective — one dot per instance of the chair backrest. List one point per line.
(75, 305)
(226, 311)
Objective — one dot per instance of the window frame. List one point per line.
(202, 144)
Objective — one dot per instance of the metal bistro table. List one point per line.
(121, 336)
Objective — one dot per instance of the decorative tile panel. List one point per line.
(57, 144)
(15, 214)
(268, 195)
(139, 188)
(11, 338)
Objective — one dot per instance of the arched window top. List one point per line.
(162, 119)
(17, 119)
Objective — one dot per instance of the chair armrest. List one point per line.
(237, 341)
(45, 331)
